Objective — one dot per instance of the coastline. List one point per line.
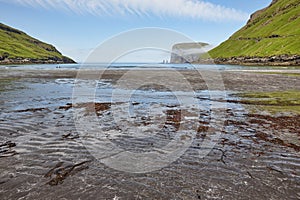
(234, 79)
(281, 60)
(41, 142)
(30, 61)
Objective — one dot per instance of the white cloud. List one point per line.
(198, 9)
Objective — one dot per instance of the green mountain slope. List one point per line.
(17, 47)
(273, 31)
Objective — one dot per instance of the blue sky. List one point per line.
(76, 27)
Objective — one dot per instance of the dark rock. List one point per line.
(280, 60)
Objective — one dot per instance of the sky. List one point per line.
(77, 27)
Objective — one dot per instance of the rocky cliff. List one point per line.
(187, 52)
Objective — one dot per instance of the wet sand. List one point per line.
(233, 80)
(44, 156)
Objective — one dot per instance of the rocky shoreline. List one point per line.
(282, 60)
(22, 61)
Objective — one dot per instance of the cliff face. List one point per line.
(16, 47)
(187, 52)
(271, 36)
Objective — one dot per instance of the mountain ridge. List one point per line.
(16, 47)
(270, 37)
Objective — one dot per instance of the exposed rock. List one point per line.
(187, 52)
(51, 60)
(282, 60)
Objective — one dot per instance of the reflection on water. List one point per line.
(42, 156)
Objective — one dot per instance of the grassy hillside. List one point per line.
(16, 45)
(272, 31)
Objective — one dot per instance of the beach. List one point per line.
(45, 155)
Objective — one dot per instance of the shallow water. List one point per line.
(246, 161)
(152, 66)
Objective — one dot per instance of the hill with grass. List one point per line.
(16, 47)
(271, 37)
